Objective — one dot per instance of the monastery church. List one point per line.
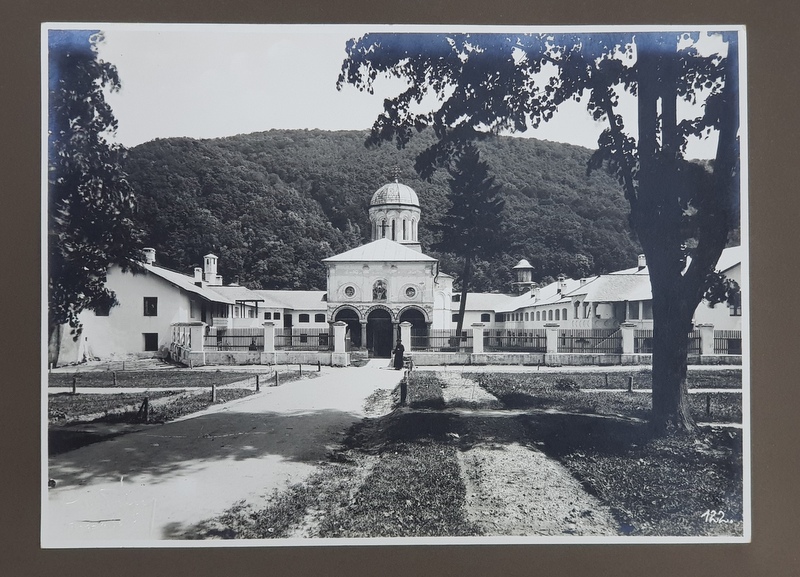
(372, 288)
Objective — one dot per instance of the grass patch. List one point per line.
(150, 379)
(664, 486)
(521, 391)
(642, 378)
(413, 491)
(424, 391)
(66, 407)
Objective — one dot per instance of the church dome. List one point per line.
(395, 193)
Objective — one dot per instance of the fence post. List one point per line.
(213, 393)
(477, 338)
(276, 377)
(258, 385)
(628, 331)
(115, 378)
(74, 384)
(630, 384)
(706, 339)
(551, 333)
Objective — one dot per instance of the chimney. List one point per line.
(583, 281)
(198, 276)
(210, 268)
(642, 262)
(562, 283)
(149, 255)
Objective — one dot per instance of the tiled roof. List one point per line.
(381, 250)
(294, 300)
(186, 283)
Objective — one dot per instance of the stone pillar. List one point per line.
(395, 332)
(405, 335)
(269, 337)
(551, 333)
(628, 338)
(196, 333)
(706, 339)
(339, 328)
(339, 357)
(477, 338)
(364, 335)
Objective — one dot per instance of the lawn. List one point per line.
(150, 379)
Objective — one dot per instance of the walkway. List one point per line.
(142, 486)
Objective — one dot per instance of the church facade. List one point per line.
(377, 286)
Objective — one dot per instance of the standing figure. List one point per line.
(398, 352)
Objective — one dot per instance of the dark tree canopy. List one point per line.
(473, 223)
(91, 204)
(486, 84)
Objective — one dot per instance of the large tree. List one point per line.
(681, 211)
(90, 203)
(472, 224)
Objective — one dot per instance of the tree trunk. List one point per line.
(53, 344)
(672, 322)
(462, 305)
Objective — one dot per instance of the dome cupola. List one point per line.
(394, 213)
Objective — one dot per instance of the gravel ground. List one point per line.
(517, 490)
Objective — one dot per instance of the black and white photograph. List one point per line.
(390, 284)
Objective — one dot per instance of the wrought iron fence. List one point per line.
(694, 343)
(441, 340)
(303, 339)
(219, 339)
(727, 342)
(531, 340)
(643, 341)
(608, 341)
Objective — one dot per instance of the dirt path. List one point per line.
(514, 489)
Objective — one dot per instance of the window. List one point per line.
(411, 292)
(486, 317)
(151, 306)
(647, 309)
(150, 341)
(455, 317)
(456, 298)
(633, 310)
(349, 291)
(267, 316)
(558, 315)
(527, 316)
(319, 318)
(498, 318)
(550, 315)
(302, 318)
(277, 316)
(563, 314)
(102, 310)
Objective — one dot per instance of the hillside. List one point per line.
(273, 204)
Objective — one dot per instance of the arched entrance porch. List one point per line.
(379, 333)
(353, 321)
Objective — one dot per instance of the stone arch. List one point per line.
(410, 308)
(352, 317)
(342, 308)
(373, 308)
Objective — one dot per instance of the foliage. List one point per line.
(91, 205)
(485, 84)
(273, 204)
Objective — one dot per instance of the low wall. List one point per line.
(305, 358)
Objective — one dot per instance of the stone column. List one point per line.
(551, 333)
(477, 338)
(706, 339)
(395, 333)
(405, 335)
(269, 337)
(364, 335)
(628, 338)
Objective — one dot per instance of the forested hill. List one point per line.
(271, 205)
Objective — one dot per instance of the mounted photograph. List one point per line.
(379, 284)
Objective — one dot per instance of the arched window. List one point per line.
(405, 237)
(558, 315)
(526, 316)
(319, 318)
(394, 231)
(564, 314)
(538, 315)
(550, 315)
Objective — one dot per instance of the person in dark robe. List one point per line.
(398, 351)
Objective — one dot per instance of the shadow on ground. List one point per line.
(167, 450)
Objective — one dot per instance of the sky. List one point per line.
(207, 81)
